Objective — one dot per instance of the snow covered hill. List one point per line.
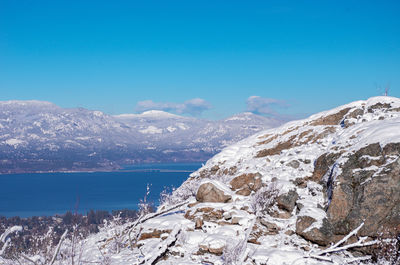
(40, 136)
(324, 190)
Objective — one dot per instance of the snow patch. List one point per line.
(14, 142)
(151, 130)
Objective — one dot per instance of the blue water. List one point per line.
(40, 194)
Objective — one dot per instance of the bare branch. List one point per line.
(58, 247)
(344, 239)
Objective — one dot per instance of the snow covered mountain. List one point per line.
(40, 136)
(323, 190)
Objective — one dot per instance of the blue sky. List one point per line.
(207, 58)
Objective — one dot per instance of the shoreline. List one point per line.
(105, 170)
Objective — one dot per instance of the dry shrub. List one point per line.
(264, 199)
(388, 250)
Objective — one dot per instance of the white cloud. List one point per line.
(264, 106)
(193, 106)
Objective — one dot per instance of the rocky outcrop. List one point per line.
(208, 192)
(333, 119)
(246, 183)
(367, 190)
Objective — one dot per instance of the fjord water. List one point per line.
(41, 194)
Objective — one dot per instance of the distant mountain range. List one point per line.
(37, 136)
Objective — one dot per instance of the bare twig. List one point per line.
(58, 247)
(360, 243)
(336, 247)
(344, 239)
(5, 237)
(136, 238)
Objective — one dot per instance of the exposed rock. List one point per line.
(363, 194)
(154, 234)
(230, 171)
(281, 214)
(356, 113)
(188, 215)
(214, 169)
(244, 191)
(289, 232)
(391, 149)
(379, 105)
(208, 192)
(198, 223)
(367, 195)
(287, 201)
(321, 236)
(246, 183)
(327, 131)
(271, 227)
(278, 148)
(333, 119)
(190, 205)
(213, 216)
(223, 222)
(208, 214)
(214, 246)
(268, 140)
(235, 220)
(301, 182)
(216, 250)
(294, 164)
(322, 165)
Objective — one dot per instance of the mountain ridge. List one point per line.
(39, 136)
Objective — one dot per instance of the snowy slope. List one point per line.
(266, 200)
(40, 136)
(248, 204)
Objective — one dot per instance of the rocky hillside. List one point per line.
(324, 190)
(40, 136)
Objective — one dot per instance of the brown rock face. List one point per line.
(277, 149)
(322, 165)
(207, 192)
(246, 183)
(333, 119)
(366, 194)
(367, 190)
